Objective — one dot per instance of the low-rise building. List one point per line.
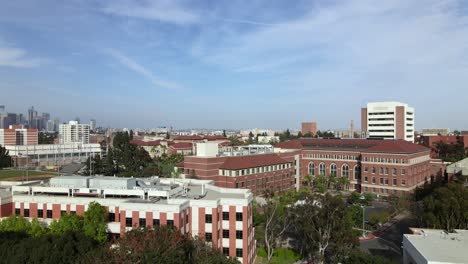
(221, 216)
(435, 246)
(254, 167)
(52, 154)
(382, 167)
(435, 131)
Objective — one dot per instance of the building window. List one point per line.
(142, 222)
(17, 211)
(26, 212)
(373, 170)
(128, 222)
(156, 222)
(386, 171)
(225, 251)
(322, 169)
(237, 185)
(49, 213)
(394, 171)
(394, 181)
(225, 215)
(40, 213)
(403, 171)
(403, 182)
(345, 170)
(365, 179)
(333, 169)
(238, 216)
(111, 217)
(208, 237)
(311, 169)
(373, 180)
(239, 234)
(239, 252)
(208, 218)
(386, 181)
(225, 233)
(380, 170)
(381, 180)
(170, 222)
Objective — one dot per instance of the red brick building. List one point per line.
(431, 141)
(376, 166)
(309, 127)
(17, 135)
(258, 172)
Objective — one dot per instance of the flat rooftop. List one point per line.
(441, 247)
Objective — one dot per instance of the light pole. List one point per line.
(363, 221)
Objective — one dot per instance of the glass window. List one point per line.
(208, 237)
(373, 180)
(366, 169)
(403, 171)
(26, 212)
(238, 216)
(239, 234)
(40, 213)
(333, 169)
(225, 251)
(394, 181)
(373, 170)
(208, 218)
(225, 233)
(225, 215)
(403, 182)
(239, 252)
(394, 171)
(49, 213)
(365, 179)
(345, 170)
(111, 217)
(380, 170)
(142, 222)
(386, 171)
(311, 169)
(322, 169)
(128, 222)
(156, 222)
(381, 180)
(17, 211)
(170, 222)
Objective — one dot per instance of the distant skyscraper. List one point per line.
(3, 115)
(388, 120)
(74, 132)
(92, 124)
(32, 114)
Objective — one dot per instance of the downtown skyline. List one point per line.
(234, 64)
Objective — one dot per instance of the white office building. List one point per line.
(74, 132)
(388, 120)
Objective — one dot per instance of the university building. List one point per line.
(223, 217)
(372, 166)
(254, 167)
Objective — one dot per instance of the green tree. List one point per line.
(276, 224)
(251, 138)
(37, 229)
(94, 224)
(224, 133)
(168, 136)
(322, 224)
(5, 159)
(446, 208)
(67, 223)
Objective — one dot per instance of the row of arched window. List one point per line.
(333, 169)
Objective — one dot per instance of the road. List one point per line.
(388, 244)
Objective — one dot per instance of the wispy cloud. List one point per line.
(140, 69)
(169, 11)
(16, 57)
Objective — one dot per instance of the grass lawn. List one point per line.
(6, 174)
(280, 256)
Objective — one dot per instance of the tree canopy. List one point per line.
(5, 159)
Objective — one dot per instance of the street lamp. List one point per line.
(363, 221)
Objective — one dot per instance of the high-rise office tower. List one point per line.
(388, 120)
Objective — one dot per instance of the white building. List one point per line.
(388, 120)
(431, 246)
(74, 132)
(92, 124)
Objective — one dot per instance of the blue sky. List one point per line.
(234, 64)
